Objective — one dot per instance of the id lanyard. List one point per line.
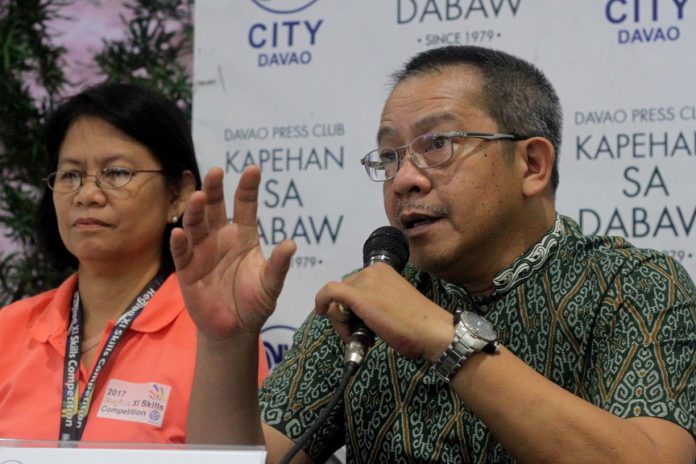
(73, 415)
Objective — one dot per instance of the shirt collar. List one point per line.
(531, 261)
(162, 309)
(52, 323)
(519, 270)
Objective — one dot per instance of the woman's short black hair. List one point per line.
(139, 112)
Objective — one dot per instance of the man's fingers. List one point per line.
(340, 317)
(341, 325)
(194, 219)
(329, 295)
(246, 197)
(215, 210)
(339, 311)
(277, 268)
(178, 245)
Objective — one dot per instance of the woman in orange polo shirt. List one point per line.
(109, 355)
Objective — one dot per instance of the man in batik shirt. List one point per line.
(594, 359)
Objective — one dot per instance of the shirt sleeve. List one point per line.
(299, 388)
(644, 343)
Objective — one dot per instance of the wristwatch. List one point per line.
(472, 333)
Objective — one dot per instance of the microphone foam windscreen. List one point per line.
(389, 241)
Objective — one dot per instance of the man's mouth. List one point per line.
(415, 214)
(409, 221)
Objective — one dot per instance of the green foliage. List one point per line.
(31, 76)
(157, 40)
(158, 36)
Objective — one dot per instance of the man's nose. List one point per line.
(410, 177)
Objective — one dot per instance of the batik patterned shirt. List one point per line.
(611, 323)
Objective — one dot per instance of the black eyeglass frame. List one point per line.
(419, 159)
(50, 179)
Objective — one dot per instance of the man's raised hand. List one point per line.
(227, 284)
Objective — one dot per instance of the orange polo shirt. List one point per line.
(142, 392)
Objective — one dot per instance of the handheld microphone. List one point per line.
(385, 245)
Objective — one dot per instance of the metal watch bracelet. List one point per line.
(454, 356)
(464, 344)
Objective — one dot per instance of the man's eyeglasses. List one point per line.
(426, 151)
(107, 178)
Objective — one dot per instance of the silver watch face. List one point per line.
(479, 326)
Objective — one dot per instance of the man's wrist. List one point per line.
(219, 344)
(441, 340)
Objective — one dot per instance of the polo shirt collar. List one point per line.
(162, 309)
(52, 324)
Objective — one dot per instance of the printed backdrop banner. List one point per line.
(297, 87)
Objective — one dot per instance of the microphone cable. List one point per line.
(349, 369)
(385, 245)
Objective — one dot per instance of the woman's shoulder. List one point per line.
(28, 303)
(29, 306)
(24, 308)
(19, 320)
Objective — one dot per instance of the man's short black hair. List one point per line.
(515, 93)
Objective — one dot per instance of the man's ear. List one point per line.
(180, 193)
(539, 157)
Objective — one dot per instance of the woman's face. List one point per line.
(122, 227)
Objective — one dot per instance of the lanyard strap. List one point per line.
(73, 415)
